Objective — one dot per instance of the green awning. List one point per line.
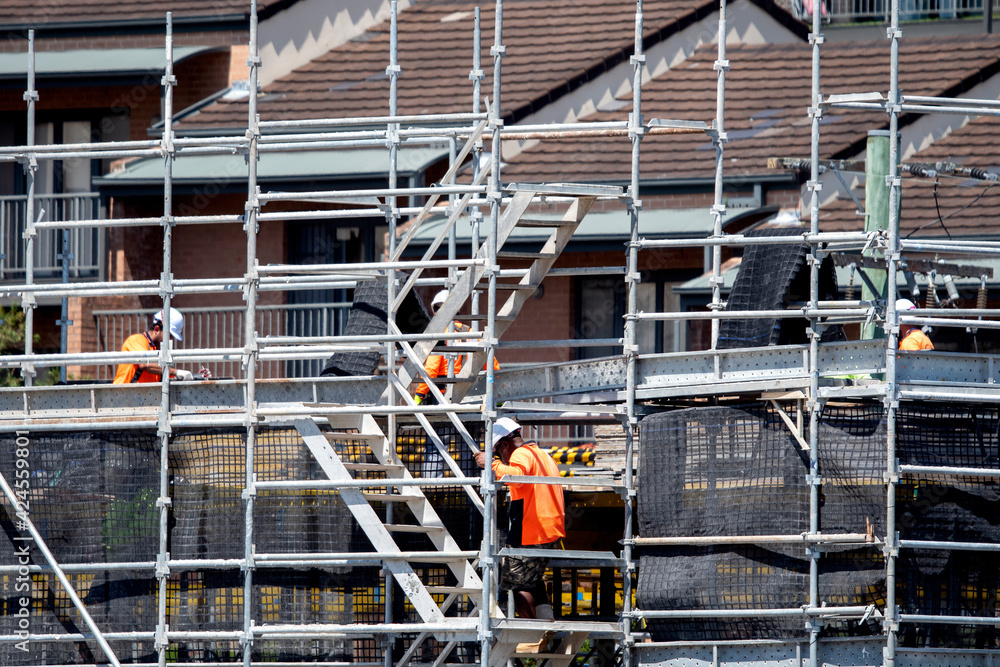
(677, 223)
(228, 169)
(94, 62)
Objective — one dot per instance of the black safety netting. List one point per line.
(771, 277)
(949, 509)
(738, 471)
(93, 497)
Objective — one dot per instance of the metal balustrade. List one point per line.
(860, 11)
(85, 245)
(224, 327)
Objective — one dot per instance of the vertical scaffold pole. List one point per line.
(813, 479)
(250, 351)
(488, 481)
(392, 138)
(630, 349)
(166, 289)
(475, 214)
(892, 396)
(30, 169)
(718, 208)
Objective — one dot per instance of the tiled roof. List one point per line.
(551, 47)
(17, 13)
(966, 206)
(768, 90)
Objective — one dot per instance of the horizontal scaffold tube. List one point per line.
(389, 192)
(559, 481)
(803, 538)
(368, 266)
(751, 314)
(422, 556)
(369, 483)
(950, 322)
(949, 620)
(374, 120)
(748, 613)
(947, 471)
(384, 338)
(948, 546)
(369, 410)
(741, 240)
(565, 342)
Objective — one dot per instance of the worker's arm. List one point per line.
(433, 367)
(519, 465)
(177, 373)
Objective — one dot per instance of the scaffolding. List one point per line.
(351, 426)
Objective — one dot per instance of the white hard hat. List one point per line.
(504, 427)
(904, 304)
(440, 297)
(176, 322)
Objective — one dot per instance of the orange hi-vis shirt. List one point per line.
(916, 340)
(544, 507)
(437, 364)
(126, 373)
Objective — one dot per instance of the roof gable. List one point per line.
(552, 46)
(768, 90)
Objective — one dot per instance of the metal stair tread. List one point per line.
(517, 254)
(448, 590)
(510, 287)
(364, 437)
(390, 497)
(374, 467)
(540, 222)
(412, 528)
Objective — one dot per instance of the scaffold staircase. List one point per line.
(352, 429)
(475, 278)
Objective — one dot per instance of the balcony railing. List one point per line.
(222, 327)
(856, 11)
(85, 245)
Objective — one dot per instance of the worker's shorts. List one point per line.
(521, 573)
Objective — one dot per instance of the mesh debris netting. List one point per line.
(94, 499)
(950, 509)
(771, 276)
(724, 471)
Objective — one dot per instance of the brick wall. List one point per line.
(199, 251)
(138, 104)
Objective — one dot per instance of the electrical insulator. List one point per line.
(849, 292)
(949, 284)
(981, 295)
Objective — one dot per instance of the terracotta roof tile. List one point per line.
(548, 43)
(968, 206)
(767, 94)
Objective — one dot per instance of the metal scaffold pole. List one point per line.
(251, 351)
(891, 623)
(475, 213)
(630, 346)
(30, 165)
(392, 218)
(813, 479)
(490, 563)
(166, 279)
(719, 207)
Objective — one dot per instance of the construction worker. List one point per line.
(436, 365)
(537, 517)
(148, 341)
(911, 337)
